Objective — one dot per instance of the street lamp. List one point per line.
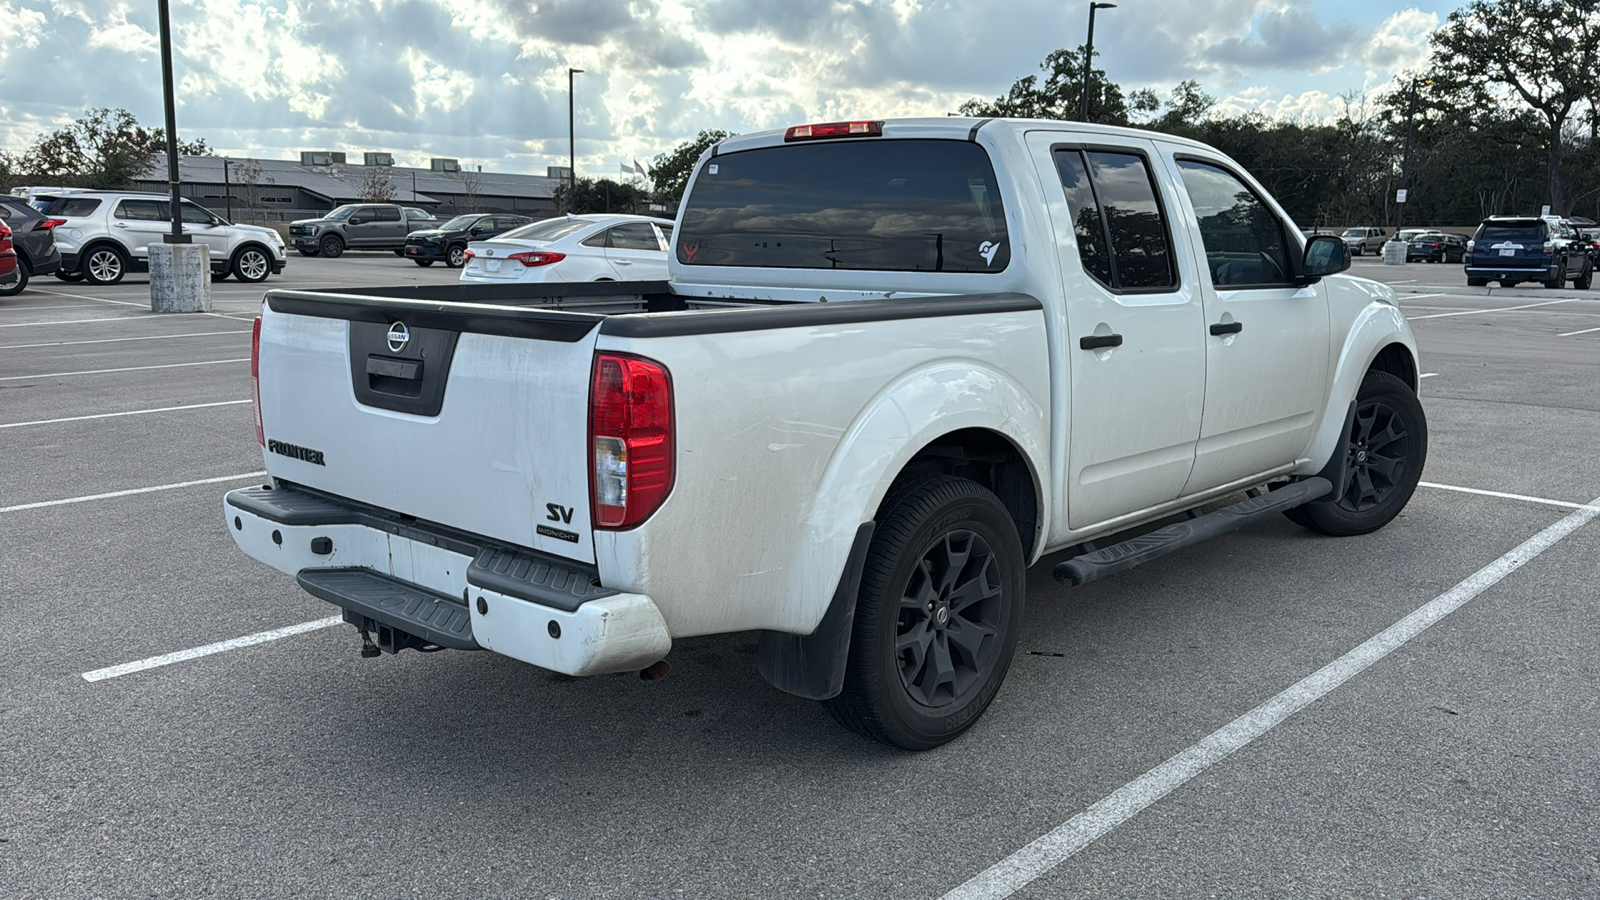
(1405, 155)
(572, 143)
(177, 236)
(1088, 59)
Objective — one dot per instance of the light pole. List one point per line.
(1088, 60)
(572, 143)
(177, 236)
(1405, 156)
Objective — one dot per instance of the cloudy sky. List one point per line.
(485, 81)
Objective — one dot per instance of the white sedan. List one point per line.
(574, 248)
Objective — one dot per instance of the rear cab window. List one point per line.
(908, 205)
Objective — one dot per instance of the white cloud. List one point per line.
(1401, 42)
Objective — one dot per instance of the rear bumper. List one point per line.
(444, 587)
(1496, 273)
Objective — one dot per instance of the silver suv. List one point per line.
(1365, 240)
(103, 235)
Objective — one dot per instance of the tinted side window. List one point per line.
(1121, 227)
(634, 236)
(598, 239)
(874, 204)
(194, 214)
(386, 214)
(1086, 221)
(148, 210)
(1244, 241)
(666, 232)
(70, 207)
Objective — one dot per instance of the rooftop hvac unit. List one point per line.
(316, 158)
(445, 165)
(377, 159)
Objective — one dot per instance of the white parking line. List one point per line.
(212, 362)
(1429, 375)
(131, 412)
(1504, 496)
(1584, 331)
(32, 308)
(1474, 312)
(129, 493)
(1050, 850)
(249, 640)
(83, 321)
(87, 297)
(152, 337)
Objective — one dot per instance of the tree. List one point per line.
(471, 185)
(1059, 96)
(600, 195)
(376, 185)
(106, 149)
(1543, 53)
(249, 175)
(670, 171)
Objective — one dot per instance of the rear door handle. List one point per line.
(1227, 328)
(1098, 341)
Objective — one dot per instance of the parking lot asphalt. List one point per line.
(1458, 762)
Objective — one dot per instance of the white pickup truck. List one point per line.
(895, 364)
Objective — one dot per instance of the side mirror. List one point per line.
(357, 220)
(1325, 255)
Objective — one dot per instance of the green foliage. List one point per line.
(1061, 93)
(106, 149)
(670, 171)
(601, 195)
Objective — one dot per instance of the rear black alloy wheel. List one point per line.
(456, 257)
(937, 615)
(1384, 454)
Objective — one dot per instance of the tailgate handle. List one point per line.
(404, 369)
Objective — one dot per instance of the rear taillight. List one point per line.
(534, 258)
(833, 130)
(468, 255)
(51, 223)
(1549, 247)
(1470, 245)
(255, 377)
(5, 239)
(630, 439)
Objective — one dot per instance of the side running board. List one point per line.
(1120, 557)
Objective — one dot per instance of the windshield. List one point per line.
(548, 230)
(342, 212)
(903, 205)
(459, 223)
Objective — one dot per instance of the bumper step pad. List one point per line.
(434, 618)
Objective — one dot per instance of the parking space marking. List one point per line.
(131, 412)
(1584, 331)
(1544, 501)
(1474, 312)
(210, 362)
(32, 308)
(1429, 375)
(82, 321)
(1050, 850)
(151, 337)
(129, 492)
(249, 640)
(87, 297)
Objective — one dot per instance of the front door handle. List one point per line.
(1227, 328)
(1099, 341)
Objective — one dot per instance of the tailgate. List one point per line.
(470, 416)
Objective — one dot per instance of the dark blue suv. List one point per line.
(1514, 249)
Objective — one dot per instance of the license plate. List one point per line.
(491, 265)
(1507, 251)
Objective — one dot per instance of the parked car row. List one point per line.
(32, 244)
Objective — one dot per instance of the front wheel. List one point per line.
(937, 615)
(1384, 454)
(331, 247)
(456, 257)
(251, 265)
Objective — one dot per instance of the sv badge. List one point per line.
(559, 513)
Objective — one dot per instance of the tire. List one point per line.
(219, 276)
(1558, 281)
(1356, 251)
(912, 682)
(1388, 418)
(423, 262)
(1584, 279)
(455, 257)
(307, 252)
(104, 264)
(331, 246)
(72, 276)
(18, 286)
(1477, 282)
(400, 252)
(251, 265)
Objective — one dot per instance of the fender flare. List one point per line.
(912, 412)
(1379, 325)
